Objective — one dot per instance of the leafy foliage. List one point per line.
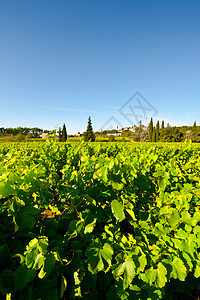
(99, 221)
(171, 134)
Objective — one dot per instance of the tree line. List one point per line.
(35, 131)
(172, 133)
(155, 133)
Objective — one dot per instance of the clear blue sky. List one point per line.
(61, 61)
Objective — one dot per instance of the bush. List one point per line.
(111, 138)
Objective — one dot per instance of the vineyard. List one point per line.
(99, 221)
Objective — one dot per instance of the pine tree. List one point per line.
(150, 130)
(64, 134)
(157, 131)
(154, 135)
(89, 134)
(60, 135)
(163, 125)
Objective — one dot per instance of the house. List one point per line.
(44, 135)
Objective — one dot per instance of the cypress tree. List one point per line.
(60, 135)
(154, 135)
(64, 134)
(157, 131)
(140, 129)
(163, 125)
(150, 131)
(195, 124)
(89, 134)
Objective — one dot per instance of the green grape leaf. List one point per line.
(63, 286)
(24, 220)
(188, 262)
(48, 265)
(186, 218)
(143, 262)
(118, 186)
(6, 189)
(181, 234)
(90, 227)
(126, 268)
(42, 244)
(131, 213)
(161, 278)
(23, 276)
(48, 289)
(104, 174)
(179, 270)
(118, 210)
(174, 219)
(99, 257)
(34, 259)
(197, 271)
(157, 276)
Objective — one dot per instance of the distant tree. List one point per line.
(136, 138)
(195, 124)
(29, 136)
(144, 136)
(53, 131)
(64, 133)
(111, 138)
(163, 125)
(89, 134)
(150, 130)
(157, 131)
(35, 131)
(171, 134)
(26, 130)
(154, 135)
(60, 134)
(189, 135)
(20, 137)
(140, 129)
(126, 133)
